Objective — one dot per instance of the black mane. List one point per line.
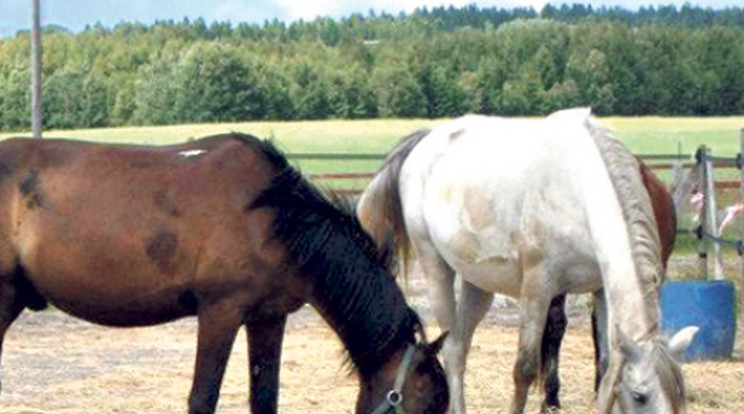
(353, 288)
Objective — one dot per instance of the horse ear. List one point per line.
(629, 348)
(433, 348)
(682, 339)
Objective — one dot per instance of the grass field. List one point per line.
(665, 135)
(643, 135)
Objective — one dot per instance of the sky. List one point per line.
(76, 14)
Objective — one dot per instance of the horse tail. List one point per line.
(672, 231)
(380, 209)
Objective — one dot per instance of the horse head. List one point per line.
(649, 379)
(412, 382)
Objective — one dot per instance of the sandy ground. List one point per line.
(56, 364)
(53, 363)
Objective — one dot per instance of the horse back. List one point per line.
(106, 231)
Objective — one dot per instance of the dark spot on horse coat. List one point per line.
(457, 133)
(162, 251)
(163, 201)
(29, 187)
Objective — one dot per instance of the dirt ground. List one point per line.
(55, 364)
(52, 363)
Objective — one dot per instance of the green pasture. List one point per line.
(359, 136)
(643, 135)
(665, 135)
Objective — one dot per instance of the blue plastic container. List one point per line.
(709, 305)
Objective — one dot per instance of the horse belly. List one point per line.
(135, 312)
(580, 277)
(114, 299)
(571, 265)
(494, 275)
(105, 281)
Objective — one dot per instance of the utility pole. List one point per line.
(36, 71)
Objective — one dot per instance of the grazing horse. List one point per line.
(533, 209)
(666, 221)
(222, 228)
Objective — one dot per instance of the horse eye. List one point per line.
(639, 397)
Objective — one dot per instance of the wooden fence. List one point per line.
(655, 161)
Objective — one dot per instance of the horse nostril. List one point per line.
(638, 397)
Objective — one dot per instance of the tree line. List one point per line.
(439, 62)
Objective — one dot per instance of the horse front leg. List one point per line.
(534, 304)
(264, 349)
(555, 328)
(472, 307)
(218, 325)
(599, 335)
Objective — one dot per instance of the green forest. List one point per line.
(439, 62)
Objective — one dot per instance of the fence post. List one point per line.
(702, 216)
(739, 161)
(709, 221)
(678, 170)
(36, 121)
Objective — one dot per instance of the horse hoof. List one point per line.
(550, 407)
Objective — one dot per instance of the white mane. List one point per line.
(623, 169)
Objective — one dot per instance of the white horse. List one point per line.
(533, 209)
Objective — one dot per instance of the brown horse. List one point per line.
(221, 228)
(666, 222)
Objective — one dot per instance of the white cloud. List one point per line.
(237, 11)
(411, 5)
(310, 9)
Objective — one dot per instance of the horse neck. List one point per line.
(363, 305)
(345, 277)
(627, 240)
(626, 291)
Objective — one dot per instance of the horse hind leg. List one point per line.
(472, 307)
(264, 349)
(535, 302)
(12, 303)
(555, 328)
(440, 280)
